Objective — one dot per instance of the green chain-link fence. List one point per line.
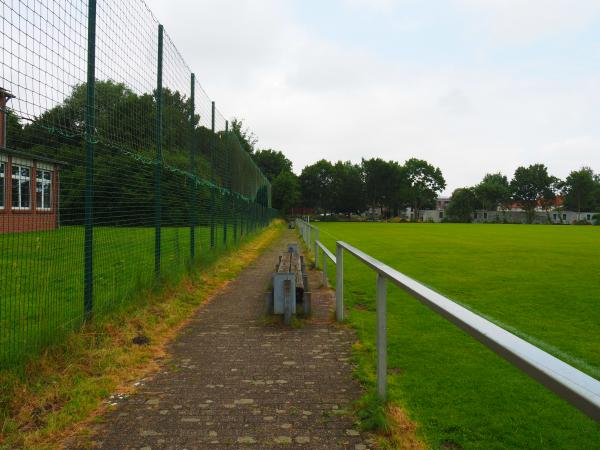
(116, 169)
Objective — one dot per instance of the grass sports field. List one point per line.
(42, 273)
(540, 282)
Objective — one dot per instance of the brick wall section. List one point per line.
(20, 221)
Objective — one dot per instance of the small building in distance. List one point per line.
(29, 195)
(514, 213)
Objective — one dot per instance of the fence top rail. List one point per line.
(327, 252)
(578, 388)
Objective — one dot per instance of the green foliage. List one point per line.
(246, 138)
(532, 186)
(493, 191)
(347, 189)
(315, 182)
(462, 205)
(272, 163)
(370, 410)
(424, 181)
(579, 190)
(385, 183)
(286, 191)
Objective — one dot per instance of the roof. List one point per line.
(5, 93)
(28, 155)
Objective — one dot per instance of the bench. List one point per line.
(290, 286)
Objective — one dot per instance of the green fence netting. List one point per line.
(116, 169)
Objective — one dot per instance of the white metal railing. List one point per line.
(576, 387)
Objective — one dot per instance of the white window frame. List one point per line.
(21, 179)
(3, 183)
(43, 182)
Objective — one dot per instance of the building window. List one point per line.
(554, 216)
(564, 217)
(441, 214)
(2, 181)
(485, 215)
(589, 217)
(43, 189)
(21, 187)
(475, 215)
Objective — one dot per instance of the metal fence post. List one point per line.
(212, 172)
(339, 283)
(225, 197)
(325, 270)
(316, 248)
(158, 166)
(235, 220)
(381, 336)
(225, 207)
(90, 126)
(193, 170)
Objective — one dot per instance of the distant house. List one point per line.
(29, 196)
(514, 213)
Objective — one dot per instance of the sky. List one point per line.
(472, 86)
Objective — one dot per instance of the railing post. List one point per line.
(158, 167)
(193, 170)
(339, 283)
(381, 336)
(325, 270)
(90, 126)
(316, 248)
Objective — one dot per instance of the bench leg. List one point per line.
(287, 302)
(307, 303)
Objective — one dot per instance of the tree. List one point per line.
(532, 186)
(383, 183)
(579, 190)
(272, 163)
(424, 182)
(493, 191)
(285, 191)
(462, 205)
(347, 188)
(247, 139)
(315, 184)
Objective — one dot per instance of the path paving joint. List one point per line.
(234, 380)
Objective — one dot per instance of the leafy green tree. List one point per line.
(384, 183)
(285, 191)
(247, 139)
(315, 184)
(272, 162)
(532, 186)
(347, 188)
(424, 183)
(493, 191)
(462, 205)
(579, 190)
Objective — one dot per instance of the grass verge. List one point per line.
(58, 394)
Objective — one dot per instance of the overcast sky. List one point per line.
(472, 86)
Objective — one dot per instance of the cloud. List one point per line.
(314, 96)
(523, 22)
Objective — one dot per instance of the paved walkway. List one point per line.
(234, 380)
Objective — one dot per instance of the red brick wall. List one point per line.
(20, 221)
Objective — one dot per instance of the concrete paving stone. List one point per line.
(233, 382)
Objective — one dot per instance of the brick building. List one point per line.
(29, 195)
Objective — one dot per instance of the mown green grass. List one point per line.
(540, 282)
(42, 277)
